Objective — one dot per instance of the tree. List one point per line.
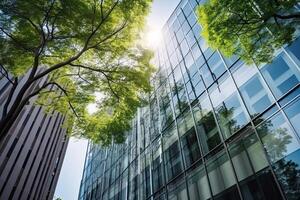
(251, 29)
(69, 50)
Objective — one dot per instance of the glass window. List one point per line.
(181, 18)
(197, 30)
(185, 27)
(206, 74)
(294, 49)
(187, 9)
(216, 65)
(175, 25)
(255, 94)
(190, 38)
(177, 190)
(206, 125)
(248, 156)
(145, 175)
(179, 35)
(197, 84)
(157, 166)
(188, 60)
(173, 60)
(198, 185)
(277, 137)
(192, 19)
(189, 142)
(230, 112)
(165, 110)
(197, 53)
(171, 153)
(220, 173)
(293, 113)
(184, 47)
(190, 147)
(185, 123)
(231, 115)
(284, 153)
(281, 74)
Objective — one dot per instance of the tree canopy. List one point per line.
(251, 29)
(72, 49)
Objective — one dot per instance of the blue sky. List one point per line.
(70, 176)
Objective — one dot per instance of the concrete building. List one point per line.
(31, 155)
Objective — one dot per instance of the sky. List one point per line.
(70, 176)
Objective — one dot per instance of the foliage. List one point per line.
(82, 47)
(251, 29)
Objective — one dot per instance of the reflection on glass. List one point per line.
(171, 153)
(166, 115)
(145, 175)
(190, 147)
(283, 149)
(281, 74)
(157, 166)
(294, 49)
(293, 113)
(255, 94)
(216, 65)
(247, 158)
(277, 137)
(206, 75)
(177, 190)
(206, 125)
(198, 185)
(185, 123)
(220, 173)
(231, 115)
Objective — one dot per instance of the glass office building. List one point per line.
(215, 128)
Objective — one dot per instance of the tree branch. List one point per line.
(8, 100)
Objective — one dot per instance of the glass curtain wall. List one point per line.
(215, 128)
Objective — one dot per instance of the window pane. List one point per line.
(281, 74)
(283, 150)
(247, 155)
(216, 65)
(255, 94)
(294, 49)
(293, 113)
(157, 166)
(277, 137)
(231, 115)
(230, 112)
(190, 147)
(220, 173)
(177, 190)
(206, 125)
(198, 185)
(171, 153)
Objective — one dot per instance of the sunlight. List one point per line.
(152, 38)
(92, 107)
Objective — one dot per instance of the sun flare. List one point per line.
(153, 38)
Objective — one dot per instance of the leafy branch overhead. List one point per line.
(69, 49)
(253, 29)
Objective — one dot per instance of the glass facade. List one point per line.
(215, 128)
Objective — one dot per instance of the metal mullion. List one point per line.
(222, 140)
(252, 124)
(191, 110)
(161, 146)
(276, 102)
(175, 118)
(215, 118)
(176, 126)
